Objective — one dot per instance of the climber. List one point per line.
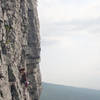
(24, 80)
(24, 77)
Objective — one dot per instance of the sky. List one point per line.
(70, 42)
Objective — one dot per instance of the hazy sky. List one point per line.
(70, 36)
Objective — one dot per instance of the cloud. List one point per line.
(75, 27)
(70, 32)
(64, 17)
(57, 10)
(56, 33)
(49, 41)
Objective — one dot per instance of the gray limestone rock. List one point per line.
(19, 50)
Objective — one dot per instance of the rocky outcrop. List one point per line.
(19, 50)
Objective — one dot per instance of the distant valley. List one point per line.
(59, 92)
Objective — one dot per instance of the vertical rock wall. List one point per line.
(19, 48)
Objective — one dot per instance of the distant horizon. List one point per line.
(69, 86)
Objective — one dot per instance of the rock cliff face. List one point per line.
(19, 50)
